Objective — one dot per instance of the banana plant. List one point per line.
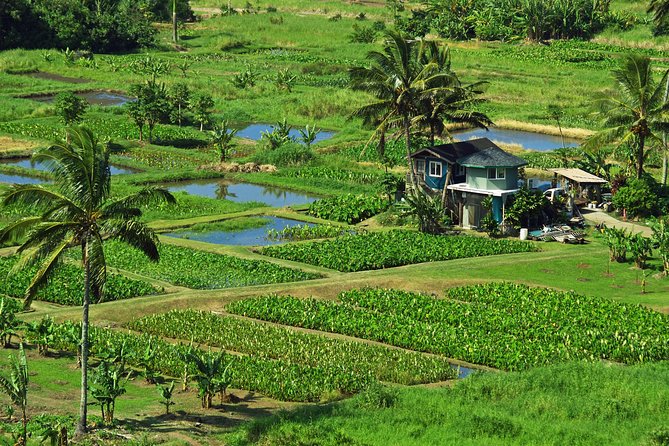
(166, 393)
(308, 135)
(209, 370)
(16, 388)
(108, 384)
(8, 321)
(40, 333)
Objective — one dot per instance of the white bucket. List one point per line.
(523, 233)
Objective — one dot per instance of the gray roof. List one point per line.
(480, 152)
(491, 156)
(453, 151)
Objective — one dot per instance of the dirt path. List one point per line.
(597, 216)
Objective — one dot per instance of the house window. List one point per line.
(462, 171)
(435, 169)
(420, 167)
(496, 173)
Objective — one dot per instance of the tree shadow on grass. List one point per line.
(220, 417)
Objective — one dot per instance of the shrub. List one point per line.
(290, 154)
(638, 198)
(348, 208)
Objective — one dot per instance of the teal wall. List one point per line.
(478, 179)
(435, 182)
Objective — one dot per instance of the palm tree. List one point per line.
(451, 102)
(635, 113)
(398, 80)
(221, 138)
(78, 213)
(660, 10)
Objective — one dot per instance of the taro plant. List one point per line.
(16, 388)
(640, 248)
(166, 393)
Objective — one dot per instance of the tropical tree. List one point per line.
(634, 114)
(78, 212)
(70, 108)
(221, 138)
(451, 102)
(399, 80)
(660, 10)
(16, 388)
(179, 96)
(211, 375)
(202, 105)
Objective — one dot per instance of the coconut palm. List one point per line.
(78, 212)
(398, 80)
(635, 113)
(451, 102)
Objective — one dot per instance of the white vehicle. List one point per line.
(554, 193)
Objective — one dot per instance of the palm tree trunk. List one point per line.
(24, 421)
(639, 156)
(407, 135)
(174, 21)
(83, 406)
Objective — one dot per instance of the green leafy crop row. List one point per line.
(348, 208)
(66, 287)
(265, 341)
(201, 270)
(283, 380)
(507, 326)
(376, 250)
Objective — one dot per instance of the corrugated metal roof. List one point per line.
(579, 176)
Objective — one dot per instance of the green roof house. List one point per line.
(470, 171)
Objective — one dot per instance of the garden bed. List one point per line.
(376, 250)
(505, 325)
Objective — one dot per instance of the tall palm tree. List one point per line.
(398, 80)
(635, 113)
(78, 213)
(451, 102)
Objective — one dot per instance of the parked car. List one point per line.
(555, 193)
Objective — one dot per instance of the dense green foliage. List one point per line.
(348, 208)
(306, 232)
(283, 380)
(67, 285)
(577, 403)
(268, 342)
(377, 250)
(511, 19)
(119, 25)
(201, 270)
(506, 326)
